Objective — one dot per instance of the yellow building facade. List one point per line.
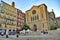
(7, 16)
(39, 18)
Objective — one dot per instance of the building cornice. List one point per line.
(8, 4)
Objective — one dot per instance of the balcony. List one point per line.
(15, 23)
(1, 15)
(4, 21)
(19, 20)
(11, 22)
(8, 22)
(7, 16)
(1, 19)
(11, 13)
(15, 15)
(11, 18)
(15, 19)
(2, 11)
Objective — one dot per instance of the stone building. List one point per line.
(7, 15)
(58, 22)
(39, 18)
(20, 19)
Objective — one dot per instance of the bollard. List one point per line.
(17, 36)
(6, 36)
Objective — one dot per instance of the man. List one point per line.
(17, 32)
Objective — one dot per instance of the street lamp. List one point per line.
(6, 30)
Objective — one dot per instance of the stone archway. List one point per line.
(35, 27)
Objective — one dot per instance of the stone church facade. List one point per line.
(58, 22)
(39, 18)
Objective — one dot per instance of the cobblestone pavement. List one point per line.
(52, 35)
(40, 37)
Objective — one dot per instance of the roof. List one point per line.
(8, 4)
(36, 6)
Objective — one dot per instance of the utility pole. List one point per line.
(6, 26)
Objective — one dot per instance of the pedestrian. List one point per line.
(6, 33)
(17, 34)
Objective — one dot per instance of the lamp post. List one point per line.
(6, 30)
(6, 33)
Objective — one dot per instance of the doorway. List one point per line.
(35, 27)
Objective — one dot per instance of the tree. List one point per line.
(53, 28)
(25, 27)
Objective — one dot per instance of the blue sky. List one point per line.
(27, 4)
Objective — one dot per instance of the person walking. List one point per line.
(17, 32)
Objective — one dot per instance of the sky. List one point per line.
(25, 5)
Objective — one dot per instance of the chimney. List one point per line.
(52, 10)
(13, 4)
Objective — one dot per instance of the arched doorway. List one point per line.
(35, 27)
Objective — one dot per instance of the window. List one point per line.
(6, 21)
(10, 22)
(2, 11)
(14, 18)
(34, 17)
(14, 15)
(2, 15)
(31, 18)
(6, 8)
(34, 12)
(18, 23)
(1, 19)
(7, 16)
(41, 15)
(7, 13)
(13, 22)
(37, 17)
(43, 25)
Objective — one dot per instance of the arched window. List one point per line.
(41, 15)
(31, 19)
(34, 12)
(37, 17)
(43, 25)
